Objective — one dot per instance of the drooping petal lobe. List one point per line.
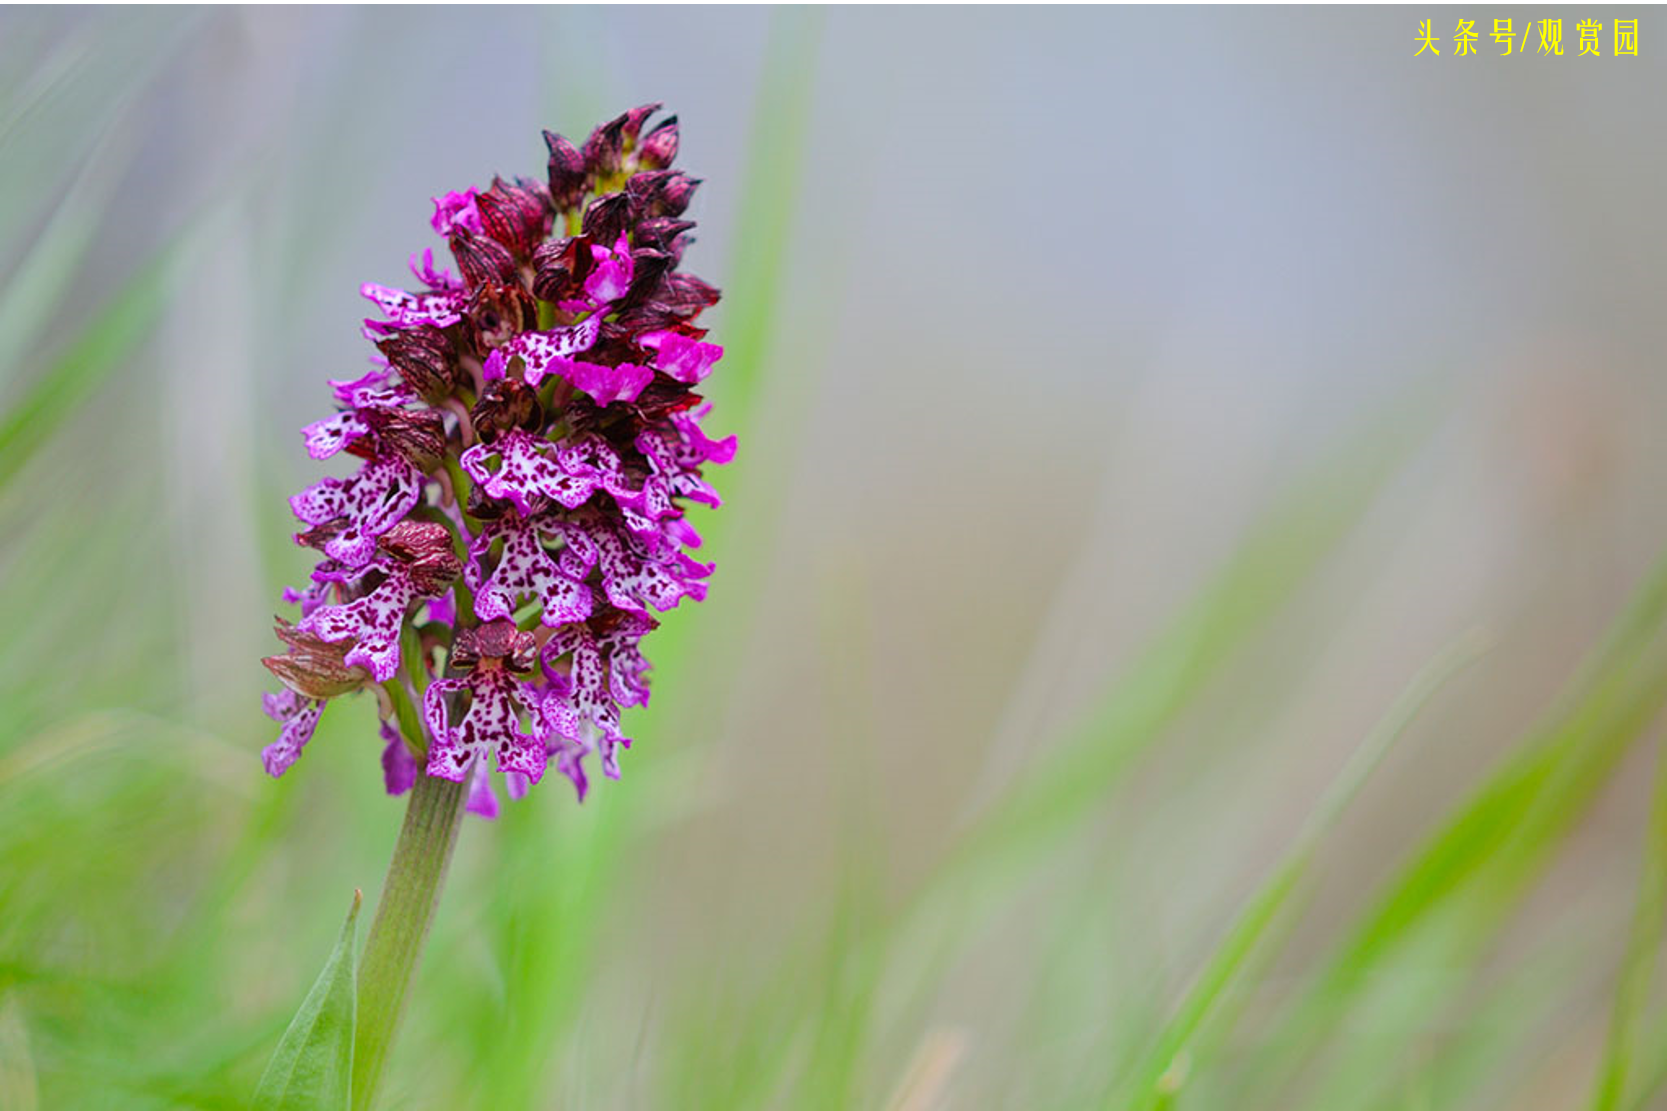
(483, 801)
(399, 766)
(297, 718)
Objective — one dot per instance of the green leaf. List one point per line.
(313, 1067)
(1632, 989)
(1171, 1057)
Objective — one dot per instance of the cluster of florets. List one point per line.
(529, 438)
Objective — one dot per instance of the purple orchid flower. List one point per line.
(528, 444)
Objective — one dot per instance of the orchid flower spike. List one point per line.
(527, 443)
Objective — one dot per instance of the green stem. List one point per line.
(410, 895)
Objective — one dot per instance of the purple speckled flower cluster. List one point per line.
(527, 442)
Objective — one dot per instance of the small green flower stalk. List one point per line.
(527, 441)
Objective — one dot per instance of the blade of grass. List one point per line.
(37, 286)
(1648, 1096)
(110, 335)
(1162, 1071)
(1514, 819)
(768, 202)
(1632, 986)
(1279, 555)
(1462, 927)
(1475, 869)
(1477, 1061)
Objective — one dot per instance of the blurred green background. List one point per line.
(1150, 419)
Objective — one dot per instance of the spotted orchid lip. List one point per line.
(527, 447)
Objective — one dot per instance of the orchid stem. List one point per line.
(410, 895)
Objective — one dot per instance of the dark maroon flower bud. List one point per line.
(482, 259)
(650, 316)
(411, 541)
(632, 121)
(493, 643)
(319, 535)
(660, 193)
(615, 346)
(569, 180)
(425, 357)
(416, 435)
(553, 283)
(661, 232)
(607, 218)
(605, 149)
(664, 396)
(610, 621)
(686, 295)
(679, 190)
(504, 404)
(427, 552)
(314, 668)
(497, 313)
(645, 189)
(648, 267)
(583, 415)
(659, 146)
(518, 216)
(559, 267)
